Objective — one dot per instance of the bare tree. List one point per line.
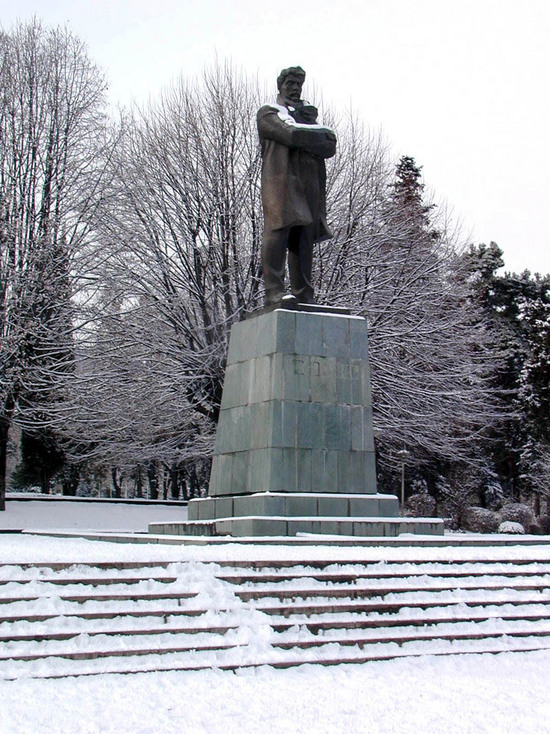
(177, 261)
(177, 237)
(50, 136)
(396, 260)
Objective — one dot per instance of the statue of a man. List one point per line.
(294, 148)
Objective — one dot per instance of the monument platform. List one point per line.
(294, 448)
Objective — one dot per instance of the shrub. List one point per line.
(480, 520)
(514, 528)
(517, 512)
(421, 504)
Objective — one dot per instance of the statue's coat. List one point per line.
(293, 171)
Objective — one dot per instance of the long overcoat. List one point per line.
(293, 171)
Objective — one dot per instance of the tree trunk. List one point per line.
(117, 484)
(165, 483)
(174, 484)
(138, 490)
(4, 428)
(153, 481)
(70, 481)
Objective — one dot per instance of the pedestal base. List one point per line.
(294, 448)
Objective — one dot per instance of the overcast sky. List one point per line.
(460, 85)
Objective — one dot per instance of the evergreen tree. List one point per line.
(515, 312)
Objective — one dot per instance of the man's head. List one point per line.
(290, 82)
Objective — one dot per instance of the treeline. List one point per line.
(128, 247)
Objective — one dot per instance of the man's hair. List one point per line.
(292, 70)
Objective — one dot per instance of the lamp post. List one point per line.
(403, 456)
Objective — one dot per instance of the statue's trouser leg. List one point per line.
(300, 260)
(274, 244)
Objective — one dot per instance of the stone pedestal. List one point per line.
(294, 448)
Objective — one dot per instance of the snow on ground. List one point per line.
(25, 548)
(478, 693)
(464, 693)
(88, 515)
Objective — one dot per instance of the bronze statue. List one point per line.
(294, 148)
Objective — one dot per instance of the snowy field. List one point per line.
(465, 693)
(86, 515)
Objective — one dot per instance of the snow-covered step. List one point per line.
(235, 658)
(78, 580)
(356, 591)
(361, 641)
(350, 576)
(80, 619)
(92, 596)
(314, 624)
(323, 606)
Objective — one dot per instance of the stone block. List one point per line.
(266, 339)
(225, 527)
(318, 470)
(289, 481)
(309, 426)
(304, 506)
(357, 471)
(366, 385)
(389, 506)
(239, 473)
(333, 507)
(331, 472)
(276, 471)
(286, 332)
(330, 527)
(309, 334)
(368, 433)
(192, 510)
(356, 374)
(303, 470)
(345, 527)
(266, 526)
(337, 425)
(277, 375)
(260, 390)
(323, 380)
(363, 506)
(344, 482)
(289, 424)
(336, 338)
(343, 384)
(224, 507)
(358, 339)
(296, 378)
(357, 429)
(231, 388)
(247, 505)
(261, 433)
(242, 341)
(220, 477)
(259, 469)
(207, 509)
(370, 472)
(300, 526)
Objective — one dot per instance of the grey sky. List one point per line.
(461, 85)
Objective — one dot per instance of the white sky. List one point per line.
(460, 85)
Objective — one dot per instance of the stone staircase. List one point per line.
(60, 619)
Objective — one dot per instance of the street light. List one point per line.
(403, 456)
